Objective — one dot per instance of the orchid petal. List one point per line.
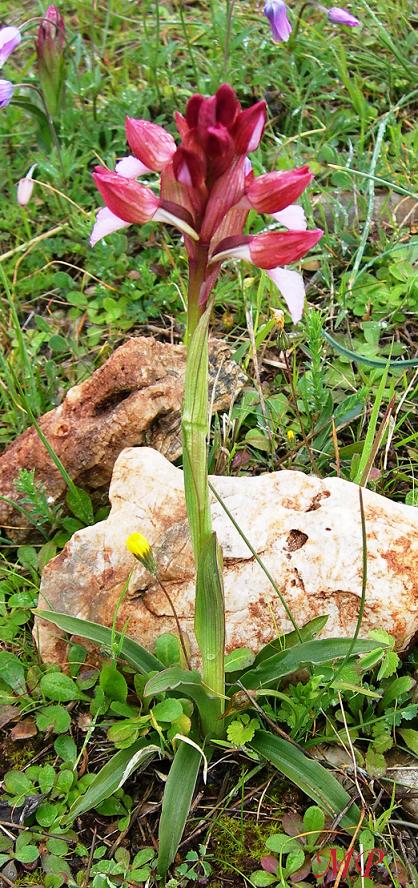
(292, 217)
(131, 167)
(150, 143)
(292, 288)
(126, 198)
(106, 223)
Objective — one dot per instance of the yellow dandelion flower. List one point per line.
(290, 435)
(141, 549)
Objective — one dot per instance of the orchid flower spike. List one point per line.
(342, 17)
(25, 187)
(207, 188)
(276, 12)
(9, 39)
(6, 92)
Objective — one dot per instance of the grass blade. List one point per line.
(178, 795)
(129, 649)
(310, 776)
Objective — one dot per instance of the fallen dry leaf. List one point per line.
(24, 729)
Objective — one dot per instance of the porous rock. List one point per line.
(306, 530)
(135, 398)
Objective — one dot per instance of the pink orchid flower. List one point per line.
(207, 189)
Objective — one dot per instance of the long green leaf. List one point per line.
(285, 642)
(323, 650)
(178, 795)
(189, 684)
(195, 432)
(398, 363)
(113, 775)
(209, 625)
(133, 652)
(311, 777)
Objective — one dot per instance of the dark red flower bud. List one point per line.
(193, 108)
(227, 105)
(248, 128)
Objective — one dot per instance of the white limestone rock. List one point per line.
(306, 530)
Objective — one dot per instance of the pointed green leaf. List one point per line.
(133, 652)
(178, 795)
(209, 624)
(310, 776)
(317, 652)
(113, 775)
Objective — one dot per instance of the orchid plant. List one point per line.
(207, 189)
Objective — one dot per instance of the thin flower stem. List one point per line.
(189, 45)
(258, 559)
(229, 15)
(179, 629)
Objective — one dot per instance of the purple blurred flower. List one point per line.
(276, 12)
(342, 17)
(6, 92)
(9, 39)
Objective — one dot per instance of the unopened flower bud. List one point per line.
(342, 17)
(9, 38)
(141, 549)
(25, 187)
(6, 92)
(50, 46)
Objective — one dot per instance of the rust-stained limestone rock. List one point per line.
(306, 530)
(133, 399)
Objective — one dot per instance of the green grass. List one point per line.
(341, 100)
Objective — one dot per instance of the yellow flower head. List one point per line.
(290, 435)
(140, 547)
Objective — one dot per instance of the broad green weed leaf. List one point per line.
(53, 718)
(410, 737)
(113, 683)
(59, 687)
(168, 710)
(239, 659)
(12, 672)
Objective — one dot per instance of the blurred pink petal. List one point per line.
(292, 217)
(292, 288)
(106, 223)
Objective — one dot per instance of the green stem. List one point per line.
(197, 271)
(209, 602)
